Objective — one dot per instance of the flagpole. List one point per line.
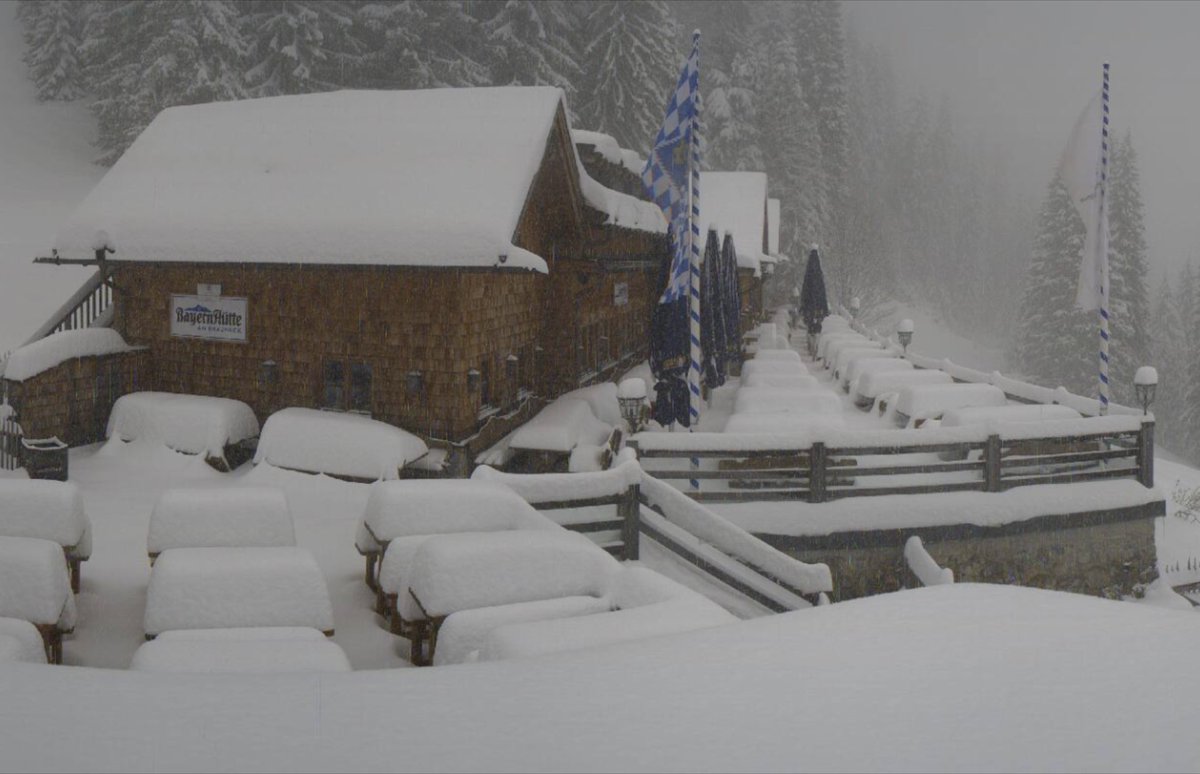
(693, 230)
(1102, 245)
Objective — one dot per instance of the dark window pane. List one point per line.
(335, 385)
(360, 387)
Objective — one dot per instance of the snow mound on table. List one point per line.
(782, 424)
(220, 588)
(927, 400)
(787, 381)
(872, 384)
(437, 506)
(196, 424)
(602, 398)
(470, 570)
(234, 653)
(213, 518)
(32, 359)
(551, 487)
(560, 427)
(465, 632)
(339, 444)
(34, 584)
(23, 642)
(50, 510)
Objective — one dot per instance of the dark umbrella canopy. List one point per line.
(731, 296)
(813, 305)
(669, 344)
(712, 323)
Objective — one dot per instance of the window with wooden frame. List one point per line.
(346, 386)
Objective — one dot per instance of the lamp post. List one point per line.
(631, 395)
(854, 307)
(904, 332)
(1145, 384)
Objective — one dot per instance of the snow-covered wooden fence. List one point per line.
(835, 464)
(10, 442)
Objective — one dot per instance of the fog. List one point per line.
(1018, 74)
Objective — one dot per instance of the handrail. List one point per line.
(831, 464)
(85, 306)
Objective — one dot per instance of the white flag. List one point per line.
(1080, 170)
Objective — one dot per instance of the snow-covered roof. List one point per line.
(736, 202)
(606, 145)
(42, 355)
(435, 177)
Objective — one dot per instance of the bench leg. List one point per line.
(369, 572)
(51, 642)
(416, 639)
(74, 563)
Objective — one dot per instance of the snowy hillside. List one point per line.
(45, 170)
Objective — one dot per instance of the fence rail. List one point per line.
(822, 470)
(10, 443)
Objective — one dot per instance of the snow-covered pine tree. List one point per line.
(114, 35)
(302, 46)
(1188, 305)
(1129, 305)
(822, 46)
(53, 30)
(631, 63)
(536, 45)
(422, 45)
(1169, 356)
(1056, 342)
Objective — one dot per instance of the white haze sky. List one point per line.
(1017, 74)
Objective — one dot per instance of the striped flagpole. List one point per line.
(1102, 241)
(694, 259)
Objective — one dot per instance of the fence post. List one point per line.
(991, 464)
(816, 473)
(630, 522)
(1145, 454)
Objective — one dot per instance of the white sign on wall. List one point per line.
(621, 294)
(207, 317)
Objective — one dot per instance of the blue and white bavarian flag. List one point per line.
(666, 173)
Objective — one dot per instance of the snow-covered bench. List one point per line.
(778, 354)
(875, 385)
(21, 641)
(782, 423)
(224, 588)
(870, 365)
(848, 357)
(35, 586)
(828, 339)
(266, 649)
(1023, 413)
(773, 400)
(50, 510)
(783, 381)
(249, 516)
(451, 573)
(218, 428)
(835, 349)
(644, 604)
(402, 509)
(559, 428)
(789, 367)
(918, 403)
(337, 444)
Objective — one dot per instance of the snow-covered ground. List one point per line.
(45, 171)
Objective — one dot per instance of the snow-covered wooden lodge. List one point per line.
(737, 203)
(436, 259)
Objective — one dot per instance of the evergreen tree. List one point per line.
(535, 45)
(1169, 356)
(632, 63)
(1188, 305)
(820, 38)
(424, 45)
(115, 33)
(302, 46)
(1056, 342)
(1129, 305)
(53, 30)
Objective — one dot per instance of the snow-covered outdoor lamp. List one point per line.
(631, 394)
(414, 381)
(904, 332)
(1145, 383)
(102, 243)
(855, 304)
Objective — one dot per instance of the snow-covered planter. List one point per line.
(221, 588)
(40, 356)
(36, 587)
(50, 510)
(250, 650)
(229, 517)
(563, 425)
(336, 444)
(193, 424)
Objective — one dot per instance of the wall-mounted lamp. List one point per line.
(510, 366)
(414, 381)
(473, 379)
(503, 257)
(268, 373)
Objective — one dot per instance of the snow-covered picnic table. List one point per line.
(245, 516)
(255, 649)
(214, 588)
(35, 586)
(50, 510)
